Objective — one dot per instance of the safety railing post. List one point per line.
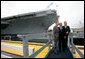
(50, 37)
(72, 42)
(73, 50)
(49, 46)
(10, 37)
(68, 41)
(25, 47)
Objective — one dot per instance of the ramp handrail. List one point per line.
(73, 47)
(35, 36)
(38, 51)
(79, 52)
(26, 38)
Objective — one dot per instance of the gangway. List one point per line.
(66, 54)
(69, 53)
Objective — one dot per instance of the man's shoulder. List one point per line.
(67, 26)
(55, 27)
(62, 26)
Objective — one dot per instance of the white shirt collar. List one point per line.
(65, 26)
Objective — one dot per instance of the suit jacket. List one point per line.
(60, 32)
(64, 30)
(56, 32)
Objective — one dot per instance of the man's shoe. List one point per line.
(56, 52)
(63, 50)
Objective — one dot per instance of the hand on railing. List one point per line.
(64, 37)
(53, 38)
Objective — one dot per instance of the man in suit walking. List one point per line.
(55, 37)
(65, 33)
(60, 36)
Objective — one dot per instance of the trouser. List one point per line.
(60, 44)
(55, 47)
(64, 43)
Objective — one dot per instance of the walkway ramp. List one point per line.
(66, 54)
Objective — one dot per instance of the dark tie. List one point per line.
(60, 28)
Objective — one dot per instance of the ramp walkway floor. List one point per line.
(61, 54)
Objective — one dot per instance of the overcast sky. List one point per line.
(70, 11)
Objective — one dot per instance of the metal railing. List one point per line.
(38, 51)
(72, 47)
(48, 36)
(28, 37)
(70, 44)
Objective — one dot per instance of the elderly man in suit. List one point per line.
(65, 33)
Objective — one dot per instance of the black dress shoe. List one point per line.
(63, 50)
(56, 52)
(59, 50)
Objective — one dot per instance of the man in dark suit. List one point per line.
(60, 37)
(65, 33)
